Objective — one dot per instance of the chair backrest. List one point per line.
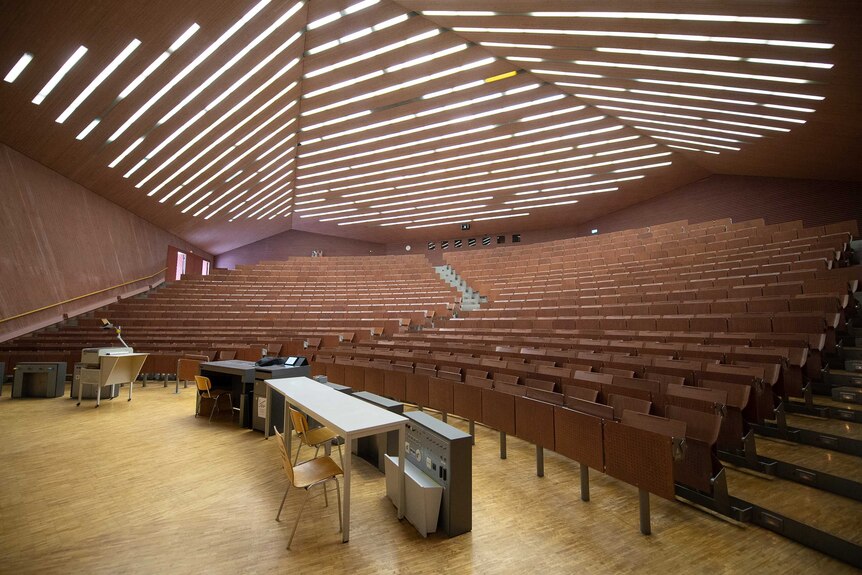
(300, 423)
(204, 385)
(285, 459)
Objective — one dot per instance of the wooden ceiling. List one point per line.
(227, 121)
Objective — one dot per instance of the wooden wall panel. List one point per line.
(60, 240)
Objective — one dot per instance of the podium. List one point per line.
(112, 370)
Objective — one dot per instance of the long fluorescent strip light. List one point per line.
(435, 126)
(58, 76)
(189, 68)
(697, 56)
(362, 32)
(400, 86)
(159, 61)
(700, 72)
(730, 89)
(691, 126)
(574, 186)
(19, 66)
(115, 63)
(227, 134)
(374, 53)
(687, 134)
(647, 36)
(672, 16)
(692, 149)
(694, 108)
(696, 143)
(552, 204)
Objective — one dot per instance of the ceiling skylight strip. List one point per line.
(445, 159)
(231, 189)
(359, 34)
(19, 67)
(220, 98)
(514, 215)
(189, 68)
(259, 200)
(374, 53)
(226, 204)
(730, 89)
(196, 202)
(700, 72)
(577, 186)
(692, 149)
(747, 125)
(692, 126)
(440, 170)
(648, 36)
(672, 16)
(284, 204)
(233, 61)
(408, 117)
(97, 81)
(399, 146)
(435, 126)
(140, 78)
(401, 86)
(59, 75)
(695, 108)
(159, 61)
(696, 143)
(557, 196)
(221, 119)
(696, 56)
(552, 204)
(278, 201)
(504, 179)
(687, 134)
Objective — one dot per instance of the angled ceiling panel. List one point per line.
(226, 122)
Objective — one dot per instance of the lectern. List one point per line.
(113, 369)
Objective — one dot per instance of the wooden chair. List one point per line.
(317, 471)
(311, 437)
(205, 391)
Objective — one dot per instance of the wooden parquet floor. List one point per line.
(144, 487)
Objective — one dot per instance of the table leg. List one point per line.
(80, 391)
(131, 385)
(98, 395)
(288, 427)
(266, 419)
(402, 466)
(345, 513)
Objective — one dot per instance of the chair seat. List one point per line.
(314, 470)
(319, 435)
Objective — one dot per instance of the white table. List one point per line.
(349, 417)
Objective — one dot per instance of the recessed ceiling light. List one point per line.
(189, 68)
(109, 69)
(646, 35)
(19, 66)
(58, 76)
(698, 71)
(730, 89)
(159, 61)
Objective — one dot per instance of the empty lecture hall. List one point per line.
(422, 287)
